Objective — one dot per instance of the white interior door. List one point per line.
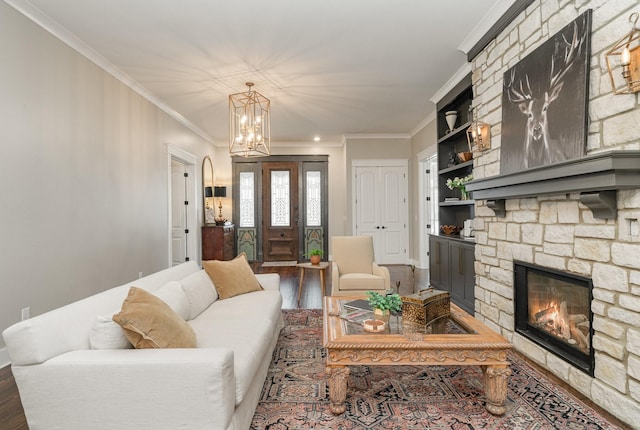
(393, 210)
(179, 205)
(380, 203)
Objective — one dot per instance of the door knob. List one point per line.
(281, 234)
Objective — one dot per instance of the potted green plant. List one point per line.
(315, 255)
(383, 304)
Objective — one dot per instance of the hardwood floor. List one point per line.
(12, 414)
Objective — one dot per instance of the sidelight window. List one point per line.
(314, 199)
(247, 203)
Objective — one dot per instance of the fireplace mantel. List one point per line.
(596, 177)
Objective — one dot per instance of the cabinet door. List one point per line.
(462, 275)
(439, 263)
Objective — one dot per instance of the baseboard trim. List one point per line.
(4, 358)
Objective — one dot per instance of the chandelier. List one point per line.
(249, 124)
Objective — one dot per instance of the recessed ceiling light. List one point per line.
(316, 139)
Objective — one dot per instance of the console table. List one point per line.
(217, 242)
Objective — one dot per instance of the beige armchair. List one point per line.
(353, 269)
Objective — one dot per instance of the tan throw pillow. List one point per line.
(148, 322)
(232, 278)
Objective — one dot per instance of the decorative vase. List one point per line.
(382, 315)
(451, 116)
(464, 194)
(315, 259)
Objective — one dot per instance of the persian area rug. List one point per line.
(296, 396)
(279, 263)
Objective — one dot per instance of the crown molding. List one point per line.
(422, 124)
(377, 136)
(484, 24)
(458, 76)
(40, 18)
(306, 144)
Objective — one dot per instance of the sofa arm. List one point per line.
(382, 271)
(269, 281)
(130, 389)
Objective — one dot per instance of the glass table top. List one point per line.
(353, 319)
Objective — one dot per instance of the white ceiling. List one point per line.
(330, 67)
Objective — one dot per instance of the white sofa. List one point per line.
(64, 383)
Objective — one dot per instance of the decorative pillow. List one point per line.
(172, 294)
(232, 278)
(148, 322)
(106, 334)
(200, 292)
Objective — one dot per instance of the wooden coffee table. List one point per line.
(461, 341)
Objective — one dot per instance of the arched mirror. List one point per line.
(209, 213)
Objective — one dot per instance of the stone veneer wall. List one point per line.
(557, 231)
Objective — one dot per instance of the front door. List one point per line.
(280, 211)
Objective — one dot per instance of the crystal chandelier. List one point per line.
(249, 124)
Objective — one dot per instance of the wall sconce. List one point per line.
(478, 135)
(623, 61)
(220, 192)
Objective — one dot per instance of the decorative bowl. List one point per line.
(465, 156)
(449, 229)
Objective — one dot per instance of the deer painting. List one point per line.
(534, 95)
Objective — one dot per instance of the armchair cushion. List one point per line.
(353, 254)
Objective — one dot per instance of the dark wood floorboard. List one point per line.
(12, 414)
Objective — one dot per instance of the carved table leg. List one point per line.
(338, 376)
(495, 388)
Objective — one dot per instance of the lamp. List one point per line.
(478, 133)
(624, 59)
(220, 192)
(249, 124)
(208, 193)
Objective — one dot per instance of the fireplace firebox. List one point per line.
(553, 309)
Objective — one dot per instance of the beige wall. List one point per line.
(83, 174)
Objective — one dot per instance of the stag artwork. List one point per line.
(544, 101)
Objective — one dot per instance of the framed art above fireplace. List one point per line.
(544, 101)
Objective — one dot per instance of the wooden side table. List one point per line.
(322, 266)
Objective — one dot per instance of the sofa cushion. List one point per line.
(245, 324)
(173, 295)
(200, 292)
(107, 334)
(361, 281)
(148, 322)
(232, 278)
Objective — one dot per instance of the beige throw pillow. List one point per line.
(232, 278)
(148, 322)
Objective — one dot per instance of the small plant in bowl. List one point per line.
(383, 304)
(315, 255)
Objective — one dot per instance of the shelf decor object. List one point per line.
(220, 192)
(249, 124)
(460, 184)
(451, 117)
(625, 55)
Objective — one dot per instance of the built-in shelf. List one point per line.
(457, 203)
(455, 132)
(596, 177)
(456, 167)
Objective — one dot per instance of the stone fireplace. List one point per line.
(553, 309)
(580, 219)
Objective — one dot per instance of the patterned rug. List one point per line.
(295, 394)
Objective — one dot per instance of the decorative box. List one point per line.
(425, 306)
